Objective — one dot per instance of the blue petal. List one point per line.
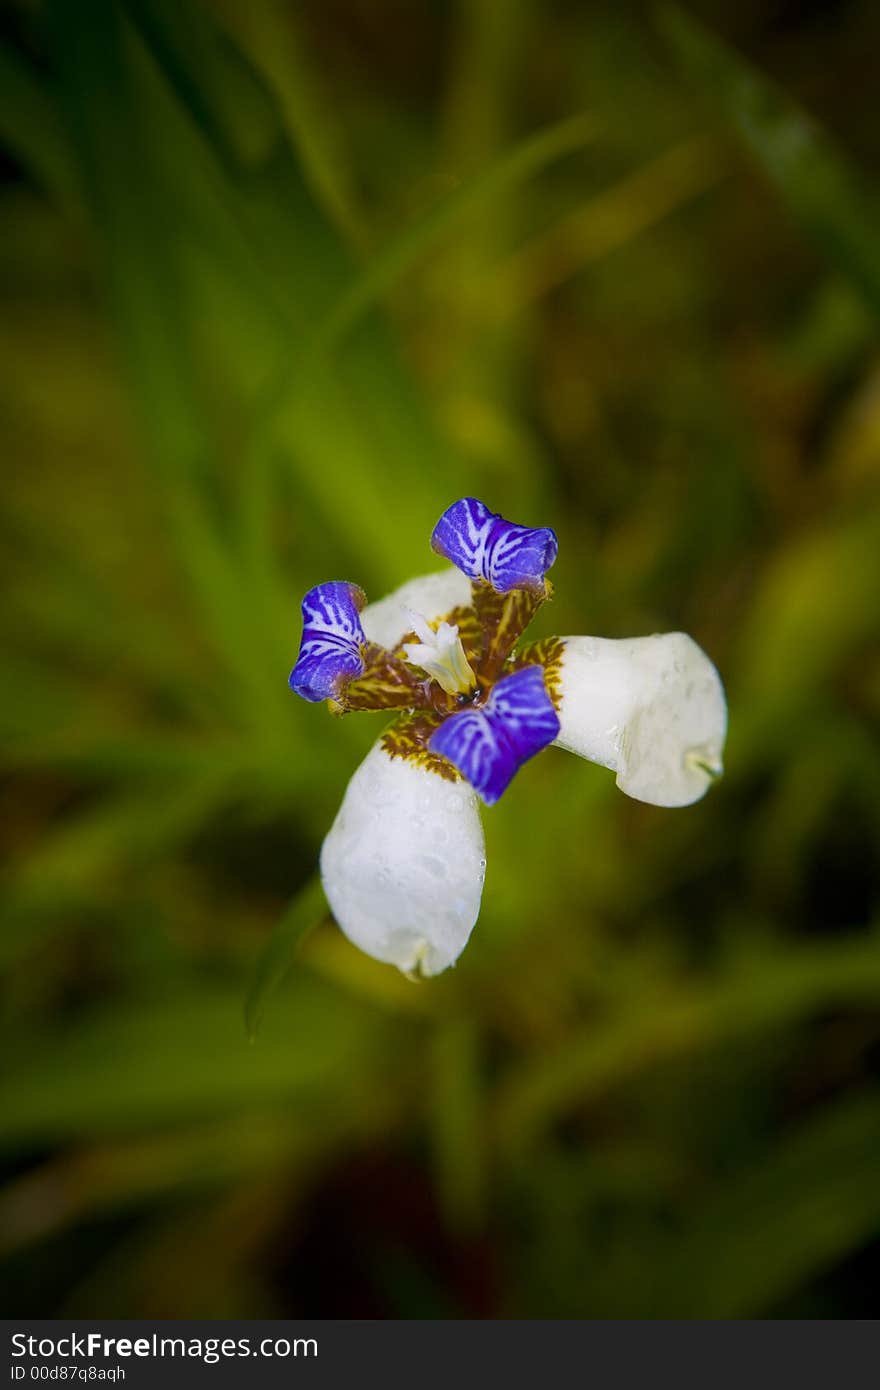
(489, 745)
(330, 651)
(485, 546)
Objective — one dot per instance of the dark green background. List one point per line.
(279, 282)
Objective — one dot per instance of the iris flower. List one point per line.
(403, 864)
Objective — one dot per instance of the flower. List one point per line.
(403, 864)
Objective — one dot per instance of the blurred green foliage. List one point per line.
(279, 282)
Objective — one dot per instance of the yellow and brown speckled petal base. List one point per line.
(408, 738)
(489, 631)
(387, 683)
(502, 619)
(547, 652)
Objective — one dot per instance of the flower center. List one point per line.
(440, 654)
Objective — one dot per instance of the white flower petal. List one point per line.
(403, 864)
(650, 708)
(432, 595)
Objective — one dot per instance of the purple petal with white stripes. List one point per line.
(489, 745)
(330, 651)
(485, 546)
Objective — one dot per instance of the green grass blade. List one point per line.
(515, 168)
(108, 131)
(607, 221)
(269, 35)
(221, 91)
(179, 1059)
(769, 991)
(305, 912)
(808, 1203)
(31, 128)
(457, 1123)
(817, 183)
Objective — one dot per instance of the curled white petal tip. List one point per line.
(650, 708)
(403, 864)
(432, 595)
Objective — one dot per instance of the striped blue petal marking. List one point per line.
(330, 651)
(489, 745)
(485, 546)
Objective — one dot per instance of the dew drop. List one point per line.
(435, 866)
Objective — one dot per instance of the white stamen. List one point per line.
(440, 654)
